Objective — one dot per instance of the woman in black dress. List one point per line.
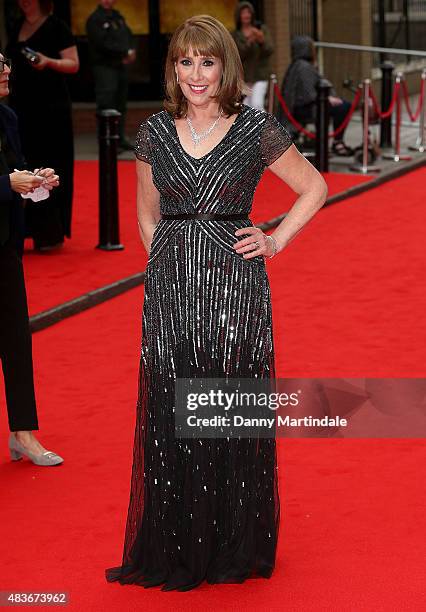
(39, 96)
(206, 509)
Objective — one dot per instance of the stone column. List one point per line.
(346, 21)
(276, 15)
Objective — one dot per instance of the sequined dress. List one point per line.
(202, 509)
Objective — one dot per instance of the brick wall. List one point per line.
(276, 14)
(346, 21)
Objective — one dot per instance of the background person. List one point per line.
(15, 336)
(255, 46)
(299, 90)
(112, 49)
(39, 96)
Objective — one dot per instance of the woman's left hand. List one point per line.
(43, 62)
(256, 243)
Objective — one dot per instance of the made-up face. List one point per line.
(199, 77)
(4, 79)
(107, 4)
(246, 17)
(28, 6)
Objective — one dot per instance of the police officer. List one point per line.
(111, 48)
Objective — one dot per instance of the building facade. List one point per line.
(361, 22)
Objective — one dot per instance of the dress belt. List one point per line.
(207, 216)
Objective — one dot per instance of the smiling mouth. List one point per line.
(198, 88)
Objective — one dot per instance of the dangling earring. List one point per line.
(177, 77)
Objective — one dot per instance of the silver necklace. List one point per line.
(197, 138)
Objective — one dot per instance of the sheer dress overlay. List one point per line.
(202, 509)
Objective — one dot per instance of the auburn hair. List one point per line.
(206, 36)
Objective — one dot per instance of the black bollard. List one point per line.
(322, 121)
(387, 69)
(108, 136)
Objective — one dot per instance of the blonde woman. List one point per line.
(206, 509)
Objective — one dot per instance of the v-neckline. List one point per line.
(23, 42)
(215, 147)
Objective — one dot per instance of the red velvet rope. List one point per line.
(355, 101)
(389, 112)
(348, 117)
(294, 121)
(414, 116)
(313, 135)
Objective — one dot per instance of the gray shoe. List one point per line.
(17, 451)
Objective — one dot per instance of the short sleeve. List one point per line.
(143, 149)
(63, 36)
(274, 140)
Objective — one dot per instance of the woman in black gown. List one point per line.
(206, 509)
(39, 96)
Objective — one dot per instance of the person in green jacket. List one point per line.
(255, 45)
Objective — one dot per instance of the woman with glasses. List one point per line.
(15, 336)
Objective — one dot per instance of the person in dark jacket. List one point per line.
(15, 336)
(112, 49)
(299, 90)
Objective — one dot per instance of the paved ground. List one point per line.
(86, 146)
(409, 135)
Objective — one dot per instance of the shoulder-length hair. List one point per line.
(206, 36)
(237, 14)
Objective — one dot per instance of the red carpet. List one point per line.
(85, 268)
(348, 300)
(352, 514)
(357, 273)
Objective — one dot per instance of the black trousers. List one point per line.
(337, 114)
(15, 343)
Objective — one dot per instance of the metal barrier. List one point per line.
(322, 119)
(368, 49)
(386, 67)
(365, 167)
(396, 156)
(392, 92)
(421, 110)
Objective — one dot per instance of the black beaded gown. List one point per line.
(202, 509)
